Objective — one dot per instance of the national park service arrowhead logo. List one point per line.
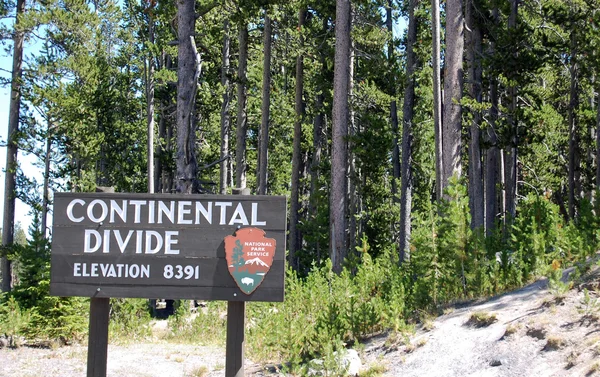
(249, 257)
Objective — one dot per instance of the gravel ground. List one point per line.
(535, 334)
(139, 360)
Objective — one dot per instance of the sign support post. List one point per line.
(236, 323)
(98, 337)
(234, 353)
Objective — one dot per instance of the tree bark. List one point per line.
(353, 190)
(45, 190)
(437, 98)
(188, 70)
(453, 84)
(150, 109)
(406, 188)
(265, 109)
(294, 242)
(393, 106)
(573, 132)
(339, 152)
(476, 194)
(8, 223)
(225, 117)
(510, 153)
(242, 118)
(598, 144)
(492, 152)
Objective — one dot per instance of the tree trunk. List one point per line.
(476, 195)
(492, 152)
(393, 106)
(339, 151)
(510, 153)
(8, 223)
(437, 98)
(317, 151)
(318, 125)
(453, 84)
(407, 135)
(45, 190)
(294, 243)
(242, 118)
(188, 71)
(225, 117)
(352, 194)
(150, 109)
(598, 144)
(159, 182)
(265, 108)
(573, 132)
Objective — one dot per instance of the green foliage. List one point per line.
(48, 317)
(557, 286)
(535, 234)
(207, 326)
(129, 318)
(324, 310)
(13, 320)
(590, 307)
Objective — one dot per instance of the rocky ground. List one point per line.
(528, 332)
(533, 332)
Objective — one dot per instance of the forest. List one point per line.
(431, 151)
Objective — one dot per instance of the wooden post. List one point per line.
(234, 353)
(98, 329)
(98, 337)
(236, 322)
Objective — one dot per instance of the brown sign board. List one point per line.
(168, 246)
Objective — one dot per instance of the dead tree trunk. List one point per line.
(294, 243)
(225, 117)
(188, 71)
(407, 135)
(339, 152)
(476, 196)
(265, 109)
(242, 118)
(453, 84)
(437, 98)
(8, 223)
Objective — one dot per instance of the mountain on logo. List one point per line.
(257, 261)
(254, 266)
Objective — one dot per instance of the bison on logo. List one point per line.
(249, 257)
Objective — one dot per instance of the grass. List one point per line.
(199, 371)
(481, 319)
(572, 360)
(554, 343)
(374, 370)
(510, 330)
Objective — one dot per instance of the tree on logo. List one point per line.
(237, 255)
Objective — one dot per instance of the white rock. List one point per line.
(351, 362)
(348, 362)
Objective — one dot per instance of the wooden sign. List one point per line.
(168, 246)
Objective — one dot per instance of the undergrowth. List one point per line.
(324, 312)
